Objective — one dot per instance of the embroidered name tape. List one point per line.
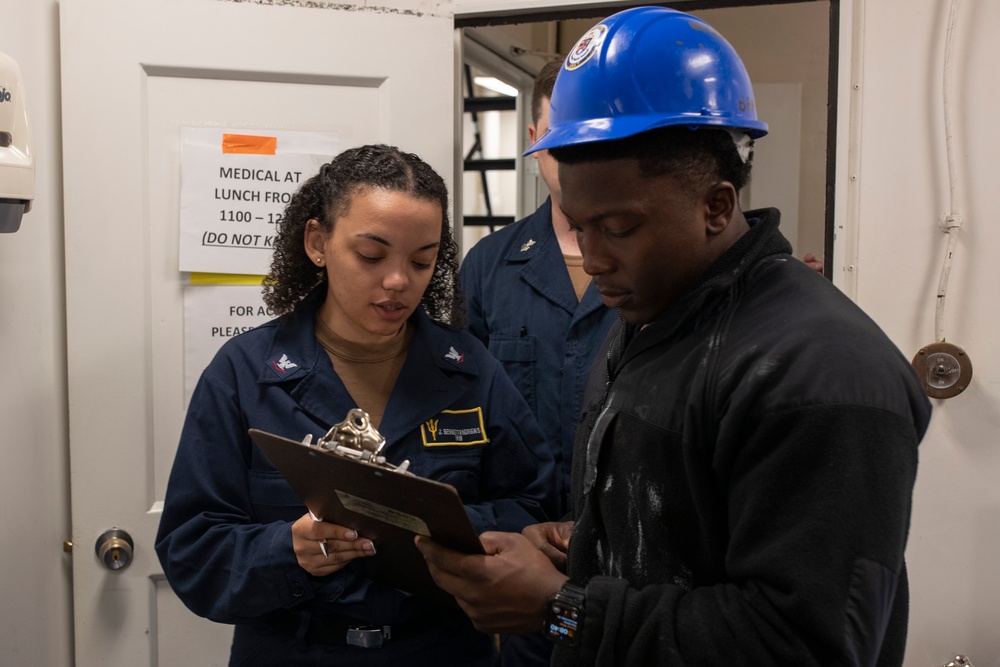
(455, 428)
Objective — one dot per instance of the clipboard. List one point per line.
(386, 505)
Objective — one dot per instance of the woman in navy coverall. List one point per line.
(364, 257)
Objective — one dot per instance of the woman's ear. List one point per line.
(721, 203)
(315, 242)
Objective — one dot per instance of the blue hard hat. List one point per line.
(645, 68)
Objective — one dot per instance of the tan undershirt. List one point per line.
(574, 264)
(369, 371)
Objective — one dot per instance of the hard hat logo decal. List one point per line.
(588, 45)
(4, 95)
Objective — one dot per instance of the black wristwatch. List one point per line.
(564, 618)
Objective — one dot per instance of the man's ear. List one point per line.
(532, 131)
(721, 202)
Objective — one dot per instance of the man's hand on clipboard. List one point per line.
(322, 548)
(504, 591)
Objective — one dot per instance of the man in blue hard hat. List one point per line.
(743, 470)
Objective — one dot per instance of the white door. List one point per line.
(133, 73)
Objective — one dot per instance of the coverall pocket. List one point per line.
(458, 466)
(517, 355)
(272, 498)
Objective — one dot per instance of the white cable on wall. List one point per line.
(944, 368)
(953, 220)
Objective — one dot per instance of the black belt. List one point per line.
(337, 630)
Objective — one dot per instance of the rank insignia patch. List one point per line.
(282, 365)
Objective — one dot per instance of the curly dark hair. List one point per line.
(327, 196)
(698, 157)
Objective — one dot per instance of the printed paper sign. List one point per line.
(212, 315)
(234, 188)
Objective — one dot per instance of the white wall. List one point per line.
(35, 584)
(900, 192)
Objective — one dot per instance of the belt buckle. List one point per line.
(368, 636)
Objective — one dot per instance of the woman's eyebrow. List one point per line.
(378, 239)
(373, 237)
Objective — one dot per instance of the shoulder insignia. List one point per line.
(282, 365)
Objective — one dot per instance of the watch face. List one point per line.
(563, 623)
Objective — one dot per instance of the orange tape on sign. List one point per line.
(249, 144)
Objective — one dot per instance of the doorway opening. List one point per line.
(790, 51)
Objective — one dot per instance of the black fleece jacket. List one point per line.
(743, 476)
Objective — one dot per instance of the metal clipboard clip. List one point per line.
(959, 661)
(356, 438)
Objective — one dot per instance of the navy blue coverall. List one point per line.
(522, 305)
(225, 541)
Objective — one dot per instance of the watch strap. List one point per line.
(565, 614)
